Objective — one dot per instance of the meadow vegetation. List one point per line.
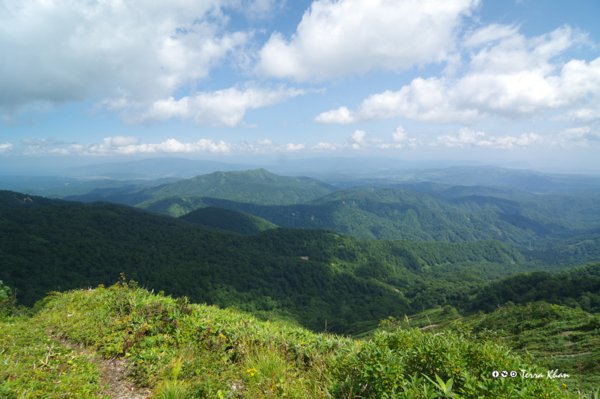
(183, 350)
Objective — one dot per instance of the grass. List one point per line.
(183, 350)
(33, 365)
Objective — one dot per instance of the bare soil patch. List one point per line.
(113, 374)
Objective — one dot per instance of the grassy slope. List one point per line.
(186, 350)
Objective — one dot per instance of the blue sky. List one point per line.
(488, 81)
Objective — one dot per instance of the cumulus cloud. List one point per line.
(120, 141)
(64, 51)
(342, 115)
(119, 145)
(400, 140)
(169, 146)
(399, 134)
(470, 138)
(337, 38)
(508, 76)
(5, 147)
(324, 146)
(219, 108)
(291, 147)
(583, 136)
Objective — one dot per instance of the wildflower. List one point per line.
(251, 372)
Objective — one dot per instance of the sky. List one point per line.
(500, 82)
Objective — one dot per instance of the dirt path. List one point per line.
(113, 374)
(113, 378)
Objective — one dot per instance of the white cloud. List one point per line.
(266, 142)
(219, 108)
(488, 34)
(583, 136)
(5, 147)
(63, 51)
(120, 141)
(359, 140)
(291, 147)
(341, 115)
(169, 146)
(337, 38)
(399, 134)
(513, 77)
(324, 146)
(469, 138)
(358, 136)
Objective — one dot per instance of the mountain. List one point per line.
(447, 191)
(257, 186)
(228, 220)
(388, 213)
(308, 275)
(14, 200)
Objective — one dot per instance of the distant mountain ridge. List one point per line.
(388, 213)
(258, 186)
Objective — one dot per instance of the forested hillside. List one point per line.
(307, 275)
(558, 223)
(576, 288)
(227, 220)
(14, 200)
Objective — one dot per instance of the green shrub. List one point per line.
(415, 364)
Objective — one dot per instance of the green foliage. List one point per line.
(578, 287)
(14, 200)
(561, 338)
(344, 282)
(228, 220)
(449, 364)
(4, 291)
(179, 349)
(388, 213)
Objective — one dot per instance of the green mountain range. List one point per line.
(305, 275)
(563, 222)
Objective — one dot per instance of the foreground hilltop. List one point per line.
(175, 349)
